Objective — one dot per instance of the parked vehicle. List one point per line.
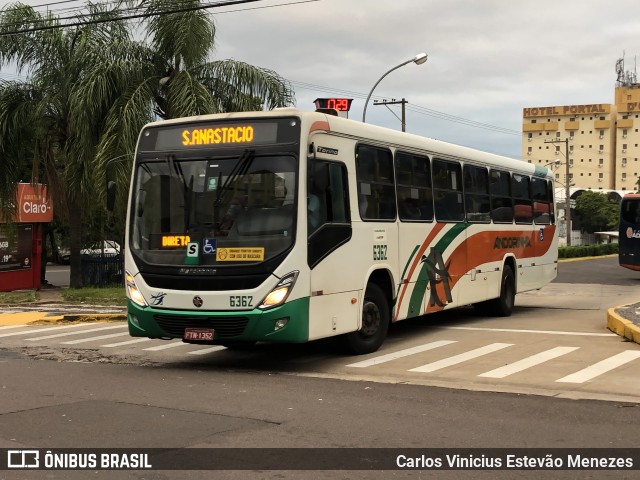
(106, 247)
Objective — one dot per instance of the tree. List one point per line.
(92, 87)
(597, 212)
(54, 120)
(176, 79)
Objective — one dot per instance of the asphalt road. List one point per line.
(52, 405)
(604, 271)
(68, 387)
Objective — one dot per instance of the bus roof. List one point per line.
(352, 128)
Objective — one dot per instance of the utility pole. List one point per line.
(567, 185)
(393, 101)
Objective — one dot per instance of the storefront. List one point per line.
(21, 240)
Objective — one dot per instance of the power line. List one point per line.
(127, 17)
(414, 108)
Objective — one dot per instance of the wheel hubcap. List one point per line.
(370, 319)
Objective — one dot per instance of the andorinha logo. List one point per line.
(511, 242)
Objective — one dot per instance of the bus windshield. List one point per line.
(231, 210)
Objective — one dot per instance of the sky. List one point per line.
(487, 60)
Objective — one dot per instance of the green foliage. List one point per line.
(96, 296)
(8, 298)
(90, 90)
(588, 250)
(597, 212)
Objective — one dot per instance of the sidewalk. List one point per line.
(50, 307)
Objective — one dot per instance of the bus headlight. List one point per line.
(280, 292)
(132, 291)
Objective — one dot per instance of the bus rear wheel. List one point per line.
(375, 323)
(503, 305)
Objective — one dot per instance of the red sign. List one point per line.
(34, 205)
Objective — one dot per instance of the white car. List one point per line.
(108, 247)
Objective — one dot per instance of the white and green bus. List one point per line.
(290, 226)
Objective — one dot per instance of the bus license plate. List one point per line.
(202, 334)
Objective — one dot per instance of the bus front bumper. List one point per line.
(249, 325)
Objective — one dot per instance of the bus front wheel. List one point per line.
(375, 323)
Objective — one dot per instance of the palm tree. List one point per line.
(54, 120)
(92, 87)
(184, 81)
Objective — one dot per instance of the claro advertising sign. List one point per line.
(34, 204)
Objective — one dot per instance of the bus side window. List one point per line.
(542, 207)
(413, 177)
(375, 179)
(501, 203)
(476, 188)
(447, 189)
(522, 204)
(327, 200)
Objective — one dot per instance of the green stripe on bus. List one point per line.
(420, 288)
(395, 300)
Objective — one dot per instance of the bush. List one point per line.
(588, 250)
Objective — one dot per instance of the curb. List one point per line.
(621, 326)
(46, 318)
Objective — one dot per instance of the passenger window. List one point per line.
(476, 188)
(376, 192)
(522, 204)
(415, 200)
(447, 189)
(501, 203)
(542, 206)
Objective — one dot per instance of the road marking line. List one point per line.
(400, 353)
(463, 357)
(179, 343)
(528, 362)
(91, 339)
(128, 342)
(549, 332)
(207, 350)
(38, 330)
(46, 337)
(601, 367)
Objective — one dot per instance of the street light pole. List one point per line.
(567, 185)
(418, 60)
(567, 192)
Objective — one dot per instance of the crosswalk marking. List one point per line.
(38, 330)
(528, 362)
(91, 339)
(66, 334)
(401, 353)
(601, 367)
(166, 346)
(207, 350)
(7, 327)
(547, 332)
(127, 342)
(463, 357)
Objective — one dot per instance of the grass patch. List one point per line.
(17, 297)
(95, 296)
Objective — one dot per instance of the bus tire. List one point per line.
(503, 305)
(376, 316)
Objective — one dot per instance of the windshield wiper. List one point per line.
(239, 169)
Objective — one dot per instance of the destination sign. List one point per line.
(169, 241)
(199, 135)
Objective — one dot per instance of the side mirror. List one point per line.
(111, 195)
